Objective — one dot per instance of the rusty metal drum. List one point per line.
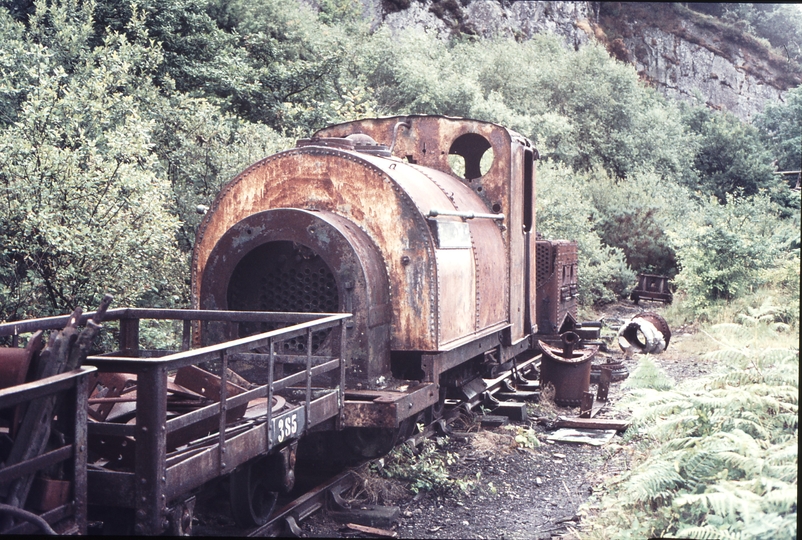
(567, 369)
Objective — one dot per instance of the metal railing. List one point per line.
(155, 482)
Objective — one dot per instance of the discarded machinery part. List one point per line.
(14, 362)
(603, 388)
(570, 340)
(465, 215)
(652, 287)
(569, 375)
(619, 371)
(397, 125)
(367, 145)
(557, 288)
(332, 142)
(646, 333)
(659, 322)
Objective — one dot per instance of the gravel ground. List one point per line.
(523, 493)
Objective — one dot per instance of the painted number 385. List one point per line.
(287, 427)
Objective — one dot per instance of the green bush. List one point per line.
(726, 250)
(633, 214)
(563, 211)
(83, 210)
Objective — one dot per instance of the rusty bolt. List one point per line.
(405, 260)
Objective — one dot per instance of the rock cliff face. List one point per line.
(695, 58)
(488, 18)
(681, 55)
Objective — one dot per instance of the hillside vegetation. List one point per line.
(117, 120)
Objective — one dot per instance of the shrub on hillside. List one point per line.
(564, 211)
(729, 249)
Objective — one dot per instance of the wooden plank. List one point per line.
(592, 423)
(373, 531)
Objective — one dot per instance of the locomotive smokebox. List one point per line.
(290, 259)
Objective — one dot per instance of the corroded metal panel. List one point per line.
(428, 141)
(556, 282)
(299, 260)
(456, 294)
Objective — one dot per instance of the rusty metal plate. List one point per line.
(428, 141)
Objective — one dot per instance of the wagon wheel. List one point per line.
(370, 443)
(251, 499)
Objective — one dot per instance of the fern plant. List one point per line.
(719, 453)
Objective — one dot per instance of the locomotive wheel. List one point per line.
(370, 443)
(251, 499)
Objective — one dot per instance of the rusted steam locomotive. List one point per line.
(420, 227)
(441, 270)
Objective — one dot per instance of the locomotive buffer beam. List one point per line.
(386, 408)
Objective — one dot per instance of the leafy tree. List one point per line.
(581, 107)
(725, 250)
(780, 24)
(730, 156)
(199, 148)
(83, 210)
(634, 215)
(780, 128)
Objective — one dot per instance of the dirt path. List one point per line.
(519, 493)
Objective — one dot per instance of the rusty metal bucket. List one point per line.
(567, 369)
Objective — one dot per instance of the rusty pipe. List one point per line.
(395, 132)
(570, 340)
(465, 215)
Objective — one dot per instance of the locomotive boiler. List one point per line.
(422, 227)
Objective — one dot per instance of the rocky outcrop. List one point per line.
(692, 72)
(489, 18)
(695, 58)
(682, 55)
